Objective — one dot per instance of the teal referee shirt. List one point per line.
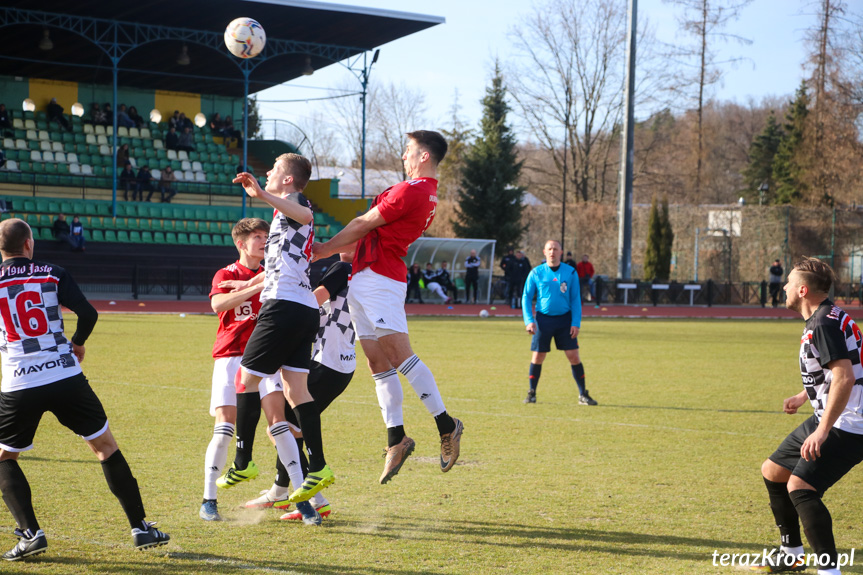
(557, 292)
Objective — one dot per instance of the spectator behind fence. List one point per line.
(60, 229)
(585, 277)
(172, 139)
(55, 114)
(76, 235)
(570, 261)
(128, 181)
(186, 141)
(135, 117)
(166, 184)
(521, 269)
(145, 183)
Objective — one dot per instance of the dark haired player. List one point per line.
(42, 372)
(382, 236)
(829, 443)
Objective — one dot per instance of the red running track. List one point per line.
(469, 310)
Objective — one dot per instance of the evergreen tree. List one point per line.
(762, 152)
(653, 252)
(254, 120)
(666, 242)
(490, 202)
(788, 169)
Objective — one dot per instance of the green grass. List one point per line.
(662, 473)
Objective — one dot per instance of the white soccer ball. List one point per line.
(245, 38)
(483, 313)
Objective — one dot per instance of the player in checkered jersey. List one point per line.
(238, 310)
(288, 323)
(829, 443)
(333, 365)
(42, 372)
(382, 236)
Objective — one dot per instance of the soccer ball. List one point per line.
(245, 38)
(483, 313)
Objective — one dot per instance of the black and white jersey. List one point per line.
(289, 248)
(831, 334)
(34, 349)
(335, 344)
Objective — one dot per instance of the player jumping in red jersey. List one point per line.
(381, 238)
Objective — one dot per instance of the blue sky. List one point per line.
(460, 53)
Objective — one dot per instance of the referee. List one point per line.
(558, 316)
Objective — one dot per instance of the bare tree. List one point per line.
(567, 82)
(704, 23)
(398, 109)
(346, 111)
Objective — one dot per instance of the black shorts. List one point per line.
(325, 385)
(553, 326)
(839, 453)
(71, 400)
(283, 338)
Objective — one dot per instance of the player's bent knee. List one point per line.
(226, 414)
(796, 483)
(104, 445)
(773, 472)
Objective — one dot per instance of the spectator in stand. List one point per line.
(109, 114)
(217, 124)
(776, 276)
(5, 118)
(229, 132)
(415, 274)
(585, 276)
(145, 183)
(123, 155)
(55, 114)
(521, 269)
(2, 158)
(166, 184)
(61, 229)
(184, 122)
(172, 139)
(135, 117)
(174, 121)
(123, 118)
(128, 181)
(569, 260)
(97, 115)
(76, 235)
(187, 140)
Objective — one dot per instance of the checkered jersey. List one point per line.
(831, 334)
(289, 247)
(334, 346)
(33, 347)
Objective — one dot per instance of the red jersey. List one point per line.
(408, 209)
(235, 325)
(584, 269)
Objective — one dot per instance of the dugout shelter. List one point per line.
(454, 251)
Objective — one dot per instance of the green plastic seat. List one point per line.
(97, 236)
(110, 236)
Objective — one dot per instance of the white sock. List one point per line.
(278, 492)
(217, 455)
(390, 397)
(286, 445)
(422, 380)
(318, 500)
(829, 572)
(792, 550)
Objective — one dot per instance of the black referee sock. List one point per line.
(282, 479)
(817, 524)
(248, 416)
(123, 485)
(309, 418)
(444, 422)
(395, 435)
(17, 496)
(578, 374)
(533, 376)
(784, 513)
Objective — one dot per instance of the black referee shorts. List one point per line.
(556, 327)
(72, 401)
(283, 338)
(839, 453)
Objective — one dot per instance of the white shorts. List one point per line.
(225, 373)
(377, 305)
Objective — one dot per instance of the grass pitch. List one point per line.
(661, 474)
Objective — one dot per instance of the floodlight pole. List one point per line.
(627, 153)
(367, 70)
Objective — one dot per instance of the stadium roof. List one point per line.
(153, 65)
